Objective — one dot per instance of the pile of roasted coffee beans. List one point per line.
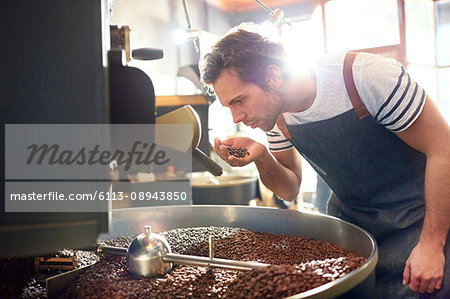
(33, 289)
(269, 248)
(280, 281)
(82, 257)
(238, 152)
(298, 264)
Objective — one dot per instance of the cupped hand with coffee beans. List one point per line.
(238, 151)
(272, 166)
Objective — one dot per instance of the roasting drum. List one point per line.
(262, 219)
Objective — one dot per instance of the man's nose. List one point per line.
(238, 117)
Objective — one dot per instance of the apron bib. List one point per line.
(377, 178)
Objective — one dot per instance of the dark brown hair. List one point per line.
(247, 52)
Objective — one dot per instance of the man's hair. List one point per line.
(246, 52)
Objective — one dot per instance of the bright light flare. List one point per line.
(303, 42)
(179, 36)
(270, 30)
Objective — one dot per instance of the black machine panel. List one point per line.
(53, 71)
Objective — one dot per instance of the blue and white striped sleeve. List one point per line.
(393, 98)
(277, 141)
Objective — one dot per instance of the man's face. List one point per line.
(249, 103)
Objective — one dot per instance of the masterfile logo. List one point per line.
(84, 168)
(86, 151)
(141, 153)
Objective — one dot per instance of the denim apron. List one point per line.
(378, 181)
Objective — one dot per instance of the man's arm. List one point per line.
(281, 173)
(430, 134)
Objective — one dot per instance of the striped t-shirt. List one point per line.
(390, 95)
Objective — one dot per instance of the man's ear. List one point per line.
(273, 76)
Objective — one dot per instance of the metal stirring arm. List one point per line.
(155, 257)
(189, 259)
(213, 263)
(110, 250)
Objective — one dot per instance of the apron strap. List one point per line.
(281, 123)
(357, 104)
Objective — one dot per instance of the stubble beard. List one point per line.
(275, 104)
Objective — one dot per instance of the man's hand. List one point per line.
(254, 149)
(424, 269)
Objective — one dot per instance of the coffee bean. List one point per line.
(238, 152)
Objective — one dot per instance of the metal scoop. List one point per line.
(149, 255)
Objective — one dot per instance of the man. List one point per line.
(372, 134)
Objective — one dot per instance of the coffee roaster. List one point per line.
(54, 71)
(67, 65)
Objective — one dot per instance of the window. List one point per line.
(443, 33)
(420, 45)
(355, 24)
(303, 40)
